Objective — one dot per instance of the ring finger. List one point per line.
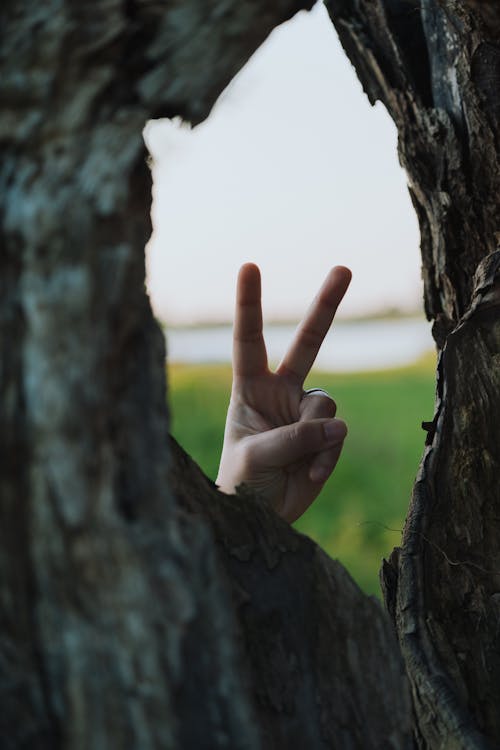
(317, 404)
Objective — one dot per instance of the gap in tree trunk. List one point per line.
(294, 170)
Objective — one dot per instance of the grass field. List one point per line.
(369, 491)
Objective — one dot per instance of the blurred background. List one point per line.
(294, 170)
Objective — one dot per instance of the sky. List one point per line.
(293, 170)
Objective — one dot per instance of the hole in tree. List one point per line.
(295, 171)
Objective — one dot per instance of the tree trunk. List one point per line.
(141, 608)
(436, 67)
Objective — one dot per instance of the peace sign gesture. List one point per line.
(280, 440)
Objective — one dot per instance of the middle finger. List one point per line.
(310, 334)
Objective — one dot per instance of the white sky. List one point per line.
(293, 170)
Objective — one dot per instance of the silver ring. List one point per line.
(314, 391)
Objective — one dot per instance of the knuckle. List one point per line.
(333, 406)
(328, 406)
(294, 433)
(321, 404)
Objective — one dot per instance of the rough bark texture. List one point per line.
(318, 655)
(117, 628)
(436, 66)
(448, 609)
(139, 607)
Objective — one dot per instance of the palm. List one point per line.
(267, 409)
(268, 401)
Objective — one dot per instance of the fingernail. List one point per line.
(335, 431)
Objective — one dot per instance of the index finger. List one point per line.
(249, 349)
(312, 330)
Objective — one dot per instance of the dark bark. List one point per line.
(447, 610)
(318, 655)
(436, 66)
(140, 608)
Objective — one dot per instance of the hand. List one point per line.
(280, 440)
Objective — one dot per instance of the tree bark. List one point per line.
(141, 608)
(436, 67)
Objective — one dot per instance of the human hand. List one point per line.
(280, 440)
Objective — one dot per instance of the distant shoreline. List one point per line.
(382, 315)
(351, 345)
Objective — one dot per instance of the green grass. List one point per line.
(369, 491)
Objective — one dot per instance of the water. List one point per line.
(350, 346)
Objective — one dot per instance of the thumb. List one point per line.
(285, 445)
